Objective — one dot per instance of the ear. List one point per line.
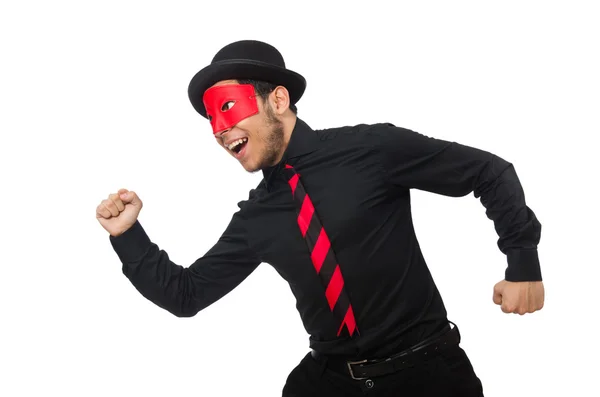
(280, 100)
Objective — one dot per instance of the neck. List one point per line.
(289, 123)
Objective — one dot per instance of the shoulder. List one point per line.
(247, 208)
(366, 134)
(254, 195)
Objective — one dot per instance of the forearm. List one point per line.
(154, 275)
(460, 170)
(413, 160)
(518, 228)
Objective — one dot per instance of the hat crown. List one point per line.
(252, 50)
(241, 60)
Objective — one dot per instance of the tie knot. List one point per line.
(289, 171)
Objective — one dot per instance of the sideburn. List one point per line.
(274, 140)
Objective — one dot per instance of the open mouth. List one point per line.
(238, 147)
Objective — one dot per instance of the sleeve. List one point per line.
(413, 160)
(185, 291)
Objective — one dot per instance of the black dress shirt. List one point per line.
(359, 179)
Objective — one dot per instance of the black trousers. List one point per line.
(448, 374)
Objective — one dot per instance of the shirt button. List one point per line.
(369, 383)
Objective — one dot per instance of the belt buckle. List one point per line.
(350, 363)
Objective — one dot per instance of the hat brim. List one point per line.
(233, 69)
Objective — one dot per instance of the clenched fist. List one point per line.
(519, 297)
(119, 211)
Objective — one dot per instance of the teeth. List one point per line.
(235, 143)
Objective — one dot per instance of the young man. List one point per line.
(332, 216)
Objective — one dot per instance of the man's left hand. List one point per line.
(519, 297)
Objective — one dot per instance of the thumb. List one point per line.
(498, 294)
(131, 198)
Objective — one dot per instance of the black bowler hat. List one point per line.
(245, 59)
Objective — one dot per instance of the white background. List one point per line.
(93, 97)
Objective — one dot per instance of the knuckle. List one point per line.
(117, 201)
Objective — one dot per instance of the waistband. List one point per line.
(368, 368)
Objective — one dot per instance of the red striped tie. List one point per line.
(322, 255)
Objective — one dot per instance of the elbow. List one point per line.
(496, 175)
(184, 313)
(186, 306)
(183, 310)
(182, 304)
(186, 302)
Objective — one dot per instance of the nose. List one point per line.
(221, 133)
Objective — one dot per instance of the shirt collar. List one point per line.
(303, 140)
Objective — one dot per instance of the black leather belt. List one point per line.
(365, 369)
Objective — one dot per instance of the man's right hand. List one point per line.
(119, 211)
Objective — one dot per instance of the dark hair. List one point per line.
(263, 88)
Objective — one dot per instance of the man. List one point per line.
(332, 216)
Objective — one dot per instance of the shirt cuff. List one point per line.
(523, 265)
(132, 244)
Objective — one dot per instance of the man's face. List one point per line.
(257, 140)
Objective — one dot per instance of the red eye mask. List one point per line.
(227, 105)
